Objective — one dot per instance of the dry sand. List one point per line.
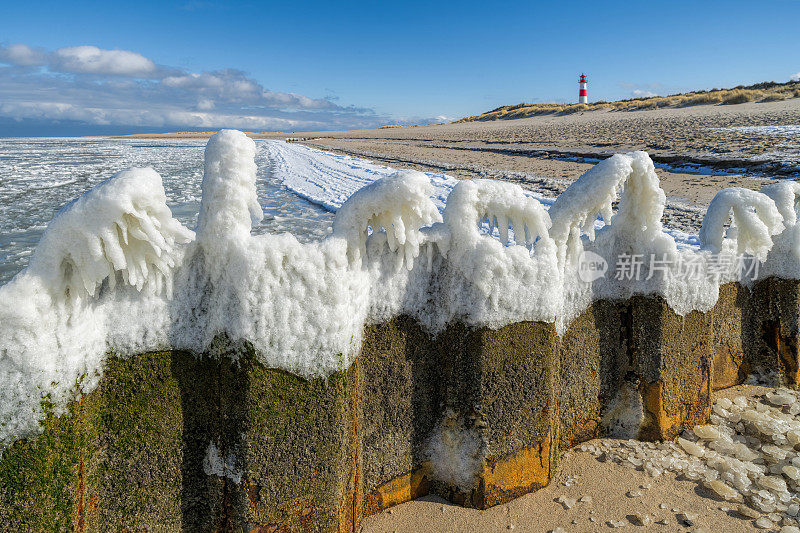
(546, 153)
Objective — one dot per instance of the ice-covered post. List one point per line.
(229, 206)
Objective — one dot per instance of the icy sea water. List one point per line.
(38, 176)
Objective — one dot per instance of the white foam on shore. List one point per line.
(330, 179)
(791, 129)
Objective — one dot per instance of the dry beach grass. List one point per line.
(762, 92)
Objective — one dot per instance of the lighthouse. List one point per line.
(583, 98)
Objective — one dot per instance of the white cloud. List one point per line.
(93, 60)
(21, 55)
(204, 104)
(642, 93)
(235, 86)
(89, 85)
(795, 77)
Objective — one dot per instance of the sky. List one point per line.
(83, 68)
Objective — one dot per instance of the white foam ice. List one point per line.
(330, 179)
(375, 207)
(116, 271)
(788, 129)
(754, 219)
(38, 176)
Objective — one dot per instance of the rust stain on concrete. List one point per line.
(405, 488)
(518, 473)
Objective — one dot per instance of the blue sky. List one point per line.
(105, 67)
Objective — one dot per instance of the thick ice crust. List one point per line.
(115, 271)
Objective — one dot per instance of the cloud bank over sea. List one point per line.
(77, 88)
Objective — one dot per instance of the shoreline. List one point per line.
(695, 159)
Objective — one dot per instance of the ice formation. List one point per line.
(113, 250)
(122, 229)
(745, 456)
(215, 465)
(784, 258)
(494, 282)
(456, 452)
(755, 219)
(399, 204)
(641, 204)
(229, 206)
(116, 272)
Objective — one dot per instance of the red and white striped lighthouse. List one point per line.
(583, 98)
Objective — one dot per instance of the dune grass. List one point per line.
(760, 92)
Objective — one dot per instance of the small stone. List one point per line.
(633, 494)
(557, 530)
(748, 512)
(773, 483)
(725, 403)
(663, 506)
(616, 523)
(724, 491)
(585, 499)
(510, 526)
(592, 519)
(793, 509)
(780, 398)
(689, 519)
(691, 448)
(640, 519)
(792, 472)
(707, 432)
(764, 523)
(790, 529)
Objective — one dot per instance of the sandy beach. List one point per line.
(600, 490)
(546, 153)
(695, 159)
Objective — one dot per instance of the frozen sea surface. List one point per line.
(299, 188)
(38, 176)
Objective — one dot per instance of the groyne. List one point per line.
(289, 400)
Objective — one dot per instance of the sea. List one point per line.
(39, 176)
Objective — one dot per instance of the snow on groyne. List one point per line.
(409, 351)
